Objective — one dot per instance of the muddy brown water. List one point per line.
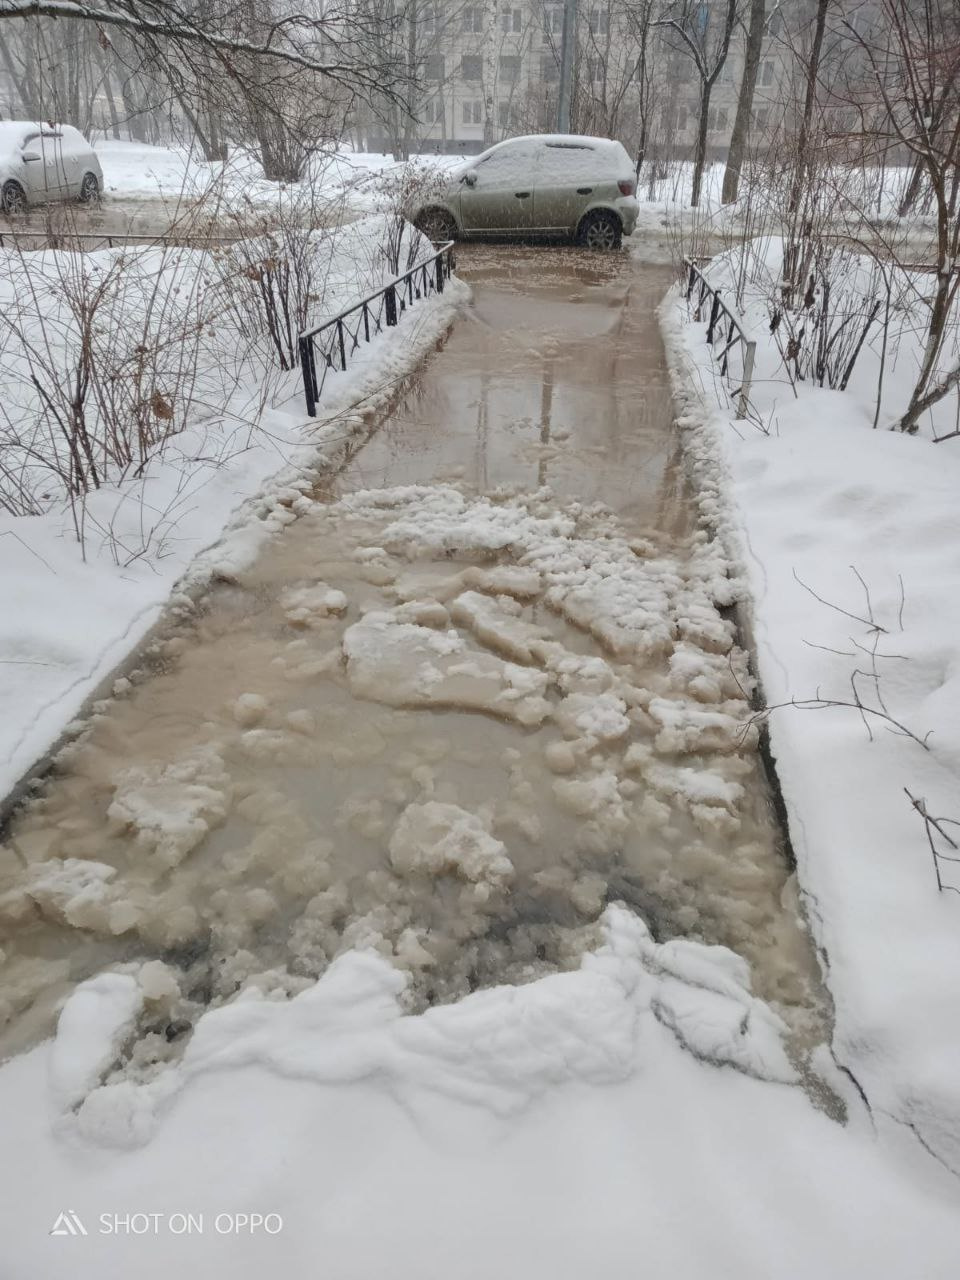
(252, 803)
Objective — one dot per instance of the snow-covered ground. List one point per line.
(636, 1112)
(74, 609)
(553, 1130)
(172, 174)
(847, 538)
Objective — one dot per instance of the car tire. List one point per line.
(13, 199)
(600, 230)
(89, 189)
(437, 225)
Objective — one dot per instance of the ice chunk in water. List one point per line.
(405, 665)
(438, 838)
(171, 808)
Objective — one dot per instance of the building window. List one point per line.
(775, 24)
(766, 73)
(432, 111)
(509, 68)
(428, 21)
(549, 68)
(599, 22)
(761, 117)
(473, 20)
(433, 68)
(473, 112)
(726, 72)
(511, 20)
(594, 70)
(552, 22)
(471, 66)
(676, 120)
(718, 119)
(508, 115)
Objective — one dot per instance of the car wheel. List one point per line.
(600, 230)
(437, 225)
(89, 188)
(14, 198)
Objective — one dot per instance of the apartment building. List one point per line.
(489, 71)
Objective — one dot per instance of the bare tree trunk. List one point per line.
(809, 104)
(748, 85)
(700, 147)
(111, 98)
(912, 191)
(488, 67)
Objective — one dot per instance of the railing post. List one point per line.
(366, 322)
(309, 375)
(748, 359)
(691, 282)
(390, 304)
(343, 352)
(439, 265)
(714, 312)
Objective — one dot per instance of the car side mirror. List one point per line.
(470, 178)
(29, 155)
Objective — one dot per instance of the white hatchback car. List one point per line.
(44, 162)
(548, 185)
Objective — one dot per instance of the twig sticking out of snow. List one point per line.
(872, 650)
(932, 824)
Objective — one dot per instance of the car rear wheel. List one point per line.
(600, 230)
(437, 225)
(14, 198)
(89, 188)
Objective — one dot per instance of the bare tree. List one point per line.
(640, 20)
(282, 76)
(707, 43)
(748, 84)
(811, 68)
(914, 73)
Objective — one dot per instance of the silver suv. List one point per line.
(555, 185)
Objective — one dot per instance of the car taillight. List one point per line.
(626, 188)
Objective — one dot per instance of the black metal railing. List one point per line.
(724, 324)
(87, 241)
(332, 344)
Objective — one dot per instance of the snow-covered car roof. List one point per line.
(562, 139)
(13, 132)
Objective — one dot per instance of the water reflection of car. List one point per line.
(40, 163)
(556, 186)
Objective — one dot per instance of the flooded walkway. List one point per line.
(481, 686)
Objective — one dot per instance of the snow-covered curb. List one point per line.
(100, 612)
(819, 496)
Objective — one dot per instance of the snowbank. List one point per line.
(563, 1128)
(820, 505)
(171, 174)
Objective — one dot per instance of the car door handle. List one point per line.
(29, 159)
(584, 191)
(521, 195)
